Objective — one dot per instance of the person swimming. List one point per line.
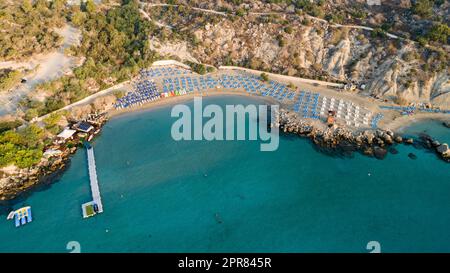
(218, 219)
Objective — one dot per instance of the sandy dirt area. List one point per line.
(44, 67)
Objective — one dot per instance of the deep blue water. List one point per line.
(197, 196)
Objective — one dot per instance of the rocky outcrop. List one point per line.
(15, 181)
(337, 58)
(344, 141)
(21, 180)
(386, 67)
(444, 151)
(338, 139)
(447, 124)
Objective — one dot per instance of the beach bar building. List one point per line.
(84, 127)
(66, 134)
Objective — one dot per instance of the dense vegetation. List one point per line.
(115, 45)
(438, 32)
(22, 148)
(424, 8)
(9, 78)
(8, 125)
(27, 27)
(197, 68)
(264, 77)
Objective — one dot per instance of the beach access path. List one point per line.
(86, 100)
(146, 16)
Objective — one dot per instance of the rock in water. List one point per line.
(435, 143)
(398, 139)
(446, 124)
(412, 156)
(419, 145)
(218, 219)
(379, 152)
(443, 150)
(425, 137)
(409, 141)
(393, 151)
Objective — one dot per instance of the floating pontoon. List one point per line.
(21, 216)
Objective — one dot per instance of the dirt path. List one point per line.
(194, 8)
(146, 16)
(390, 35)
(45, 68)
(124, 85)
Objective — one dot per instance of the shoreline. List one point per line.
(408, 121)
(374, 143)
(370, 142)
(396, 125)
(179, 99)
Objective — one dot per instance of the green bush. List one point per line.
(115, 44)
(423, 8)
(9, 78)
(27, 28)
(22, 148)
(264, 77)
(9, 125)
(439, 33)
(288, 29)
(281, 41)
(198, 68)
(378, 33)
(240, 12)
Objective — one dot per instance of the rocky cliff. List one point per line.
(301, 45)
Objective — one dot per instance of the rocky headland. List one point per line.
(344, 141)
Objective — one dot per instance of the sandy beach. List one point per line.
(400, 123)
(392, 120)
(179, 99)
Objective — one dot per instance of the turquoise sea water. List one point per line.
(433, 128)
(165, 196)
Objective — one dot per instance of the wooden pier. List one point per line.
(95, 206)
